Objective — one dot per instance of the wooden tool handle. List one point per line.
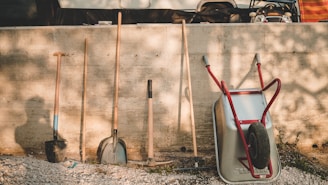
(150, 122)
(56, 106)
(118, 44)
(186, 52)
(84, 98)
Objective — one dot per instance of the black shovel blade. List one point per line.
(110, 152)
(55, 150)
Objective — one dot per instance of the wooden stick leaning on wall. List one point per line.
(186, 52)
(85, 72)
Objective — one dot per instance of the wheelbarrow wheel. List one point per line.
(259, 145)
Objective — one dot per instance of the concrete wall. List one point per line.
(296, 53)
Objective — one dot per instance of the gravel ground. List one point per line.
(29, 170)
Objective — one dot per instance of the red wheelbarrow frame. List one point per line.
(223, 87)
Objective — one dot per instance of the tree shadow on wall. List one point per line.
(32, 135)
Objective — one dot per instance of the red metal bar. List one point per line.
(251, 168)
(270, 170)
(214, 78)
(260, 74)
(227, 93)
(248, 121)
(277, 80)
(245, 92)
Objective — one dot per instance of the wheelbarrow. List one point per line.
(244, 141)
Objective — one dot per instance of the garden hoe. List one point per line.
(192, 118)
(197, 159)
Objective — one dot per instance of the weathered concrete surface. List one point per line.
(296, 53)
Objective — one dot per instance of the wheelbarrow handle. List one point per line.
(206, 61)
(258, 63)
(207, 65)
(257, 58)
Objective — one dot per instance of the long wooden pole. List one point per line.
(150, 122)
(84, 98)
(117, 76)
(186, 52)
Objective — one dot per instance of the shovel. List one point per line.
(112, 150)
(55, 149)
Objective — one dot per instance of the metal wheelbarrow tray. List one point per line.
(244, 141)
